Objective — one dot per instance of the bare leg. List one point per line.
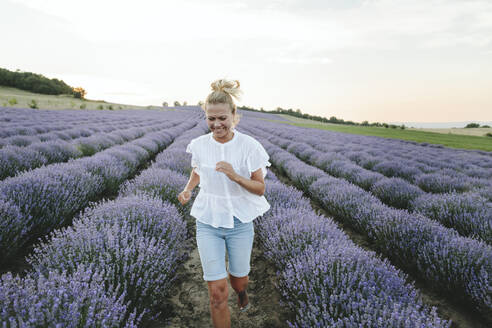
(239, 285)
(219, 292)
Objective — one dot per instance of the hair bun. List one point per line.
(230, 87)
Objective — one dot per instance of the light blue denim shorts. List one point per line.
(212, 245)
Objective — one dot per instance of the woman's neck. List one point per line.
(226, 138)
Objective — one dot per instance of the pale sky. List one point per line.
(375, 60)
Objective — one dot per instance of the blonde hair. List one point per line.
(222, 92)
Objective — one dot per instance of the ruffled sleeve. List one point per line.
(194, 156)
(258, 158)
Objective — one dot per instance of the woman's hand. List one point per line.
(184, 197)
(227, 169)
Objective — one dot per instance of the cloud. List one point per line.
(333, 25)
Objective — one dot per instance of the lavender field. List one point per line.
(362, 231)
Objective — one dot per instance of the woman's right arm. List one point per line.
(185, 195)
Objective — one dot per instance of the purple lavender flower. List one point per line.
(74, 300)
(135, 241)
(396, 192)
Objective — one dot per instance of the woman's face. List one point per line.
(219, 119)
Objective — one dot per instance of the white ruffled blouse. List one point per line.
(219, 198)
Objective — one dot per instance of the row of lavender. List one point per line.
(63, 131)
(132, 247)
(326, 280)
(433, 169)
(473, 163)
(15, 159)
(469, 213)
(458, 266)
(22, 121)
(430, 176)
(38, 201)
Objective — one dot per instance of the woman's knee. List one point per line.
(218, 292)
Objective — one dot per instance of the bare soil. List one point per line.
(188, 305)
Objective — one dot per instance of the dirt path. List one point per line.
(188, 305)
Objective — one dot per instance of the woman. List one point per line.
(230, 167)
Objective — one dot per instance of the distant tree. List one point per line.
(488, 134)
(485, 126)
(385, 125)
(33, 82)
(177, 104)
(185, 103)
(165, 104)
(472, 125)
(79, 92)
(201, 103)
(365, 123)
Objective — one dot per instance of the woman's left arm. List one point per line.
(255, 185)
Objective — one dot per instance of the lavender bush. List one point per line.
(460, 266)
(48, 197)
(13, 229)
(163, 183)
(397, 169)
(176, 160)
(14, 159)
(21, 141)
(469, 213)
(62, 300)
(112, 170)
(325, 279)
(57, 151)
(439, 183)
(396, 192)
(136, 240)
